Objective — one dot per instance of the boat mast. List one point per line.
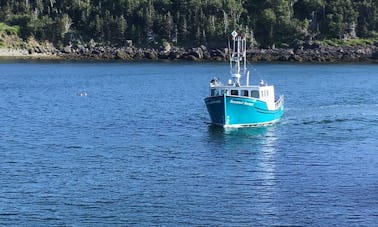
(238, 57)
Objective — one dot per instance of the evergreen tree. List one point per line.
(190, 22)
(340, 16)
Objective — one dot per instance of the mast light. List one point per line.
(234, 34)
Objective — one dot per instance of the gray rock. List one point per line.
(167, 47)
(121, 54)
(375, 55)
(218, 53)
(196, 52)
(129, 43)
(91, 44)
(67, 50)
(203, 48)
(150, 54)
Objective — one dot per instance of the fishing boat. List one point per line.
(236, 105)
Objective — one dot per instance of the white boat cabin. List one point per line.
(261, 92)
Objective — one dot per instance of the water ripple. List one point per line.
(147, 156)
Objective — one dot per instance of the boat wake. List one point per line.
(324, 121)
(329, 114)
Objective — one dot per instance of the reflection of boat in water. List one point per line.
(243, 139)
(244, 131)
(245, 161)
(234, 104)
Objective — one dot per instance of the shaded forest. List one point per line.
(189, 22)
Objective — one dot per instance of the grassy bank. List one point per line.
(349, 42)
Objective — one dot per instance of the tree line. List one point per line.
(190, 22)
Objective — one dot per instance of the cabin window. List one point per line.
(222, 92)
(255, 94)
(234, 92)
(245, 93)
(212, 92)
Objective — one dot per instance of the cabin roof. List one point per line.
(255, 87)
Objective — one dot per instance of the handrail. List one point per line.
(280, 101)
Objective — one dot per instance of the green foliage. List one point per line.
(8, 30)
(9, 35)
(340, 16)
(348, 42)
(190, 22)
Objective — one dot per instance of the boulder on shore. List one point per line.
(303, 53)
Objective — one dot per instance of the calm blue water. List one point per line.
(129, 144)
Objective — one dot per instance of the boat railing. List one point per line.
(280, 101)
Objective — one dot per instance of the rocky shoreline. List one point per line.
(93, 51)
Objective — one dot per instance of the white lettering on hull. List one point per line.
(237, 102)
(213, 102)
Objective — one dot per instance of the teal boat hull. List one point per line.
(234, 111)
